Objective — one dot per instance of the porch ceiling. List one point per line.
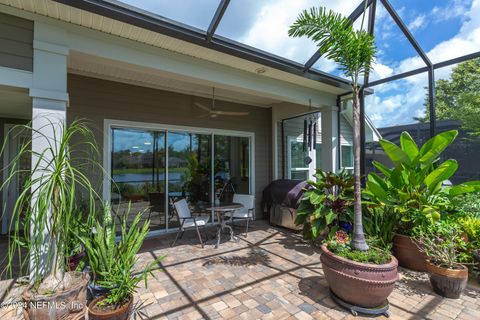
(87, 65)
(90, 20)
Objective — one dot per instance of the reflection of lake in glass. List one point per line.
(146, 177)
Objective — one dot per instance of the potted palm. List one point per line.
(43, 216)
(354, 51)
(114, 266)
(326, 212)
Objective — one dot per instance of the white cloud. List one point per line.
(270, 30)
(417, 23)
(386, 111)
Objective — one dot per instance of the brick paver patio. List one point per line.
(271, 274)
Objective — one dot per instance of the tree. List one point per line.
(458, 98)
(354, 51)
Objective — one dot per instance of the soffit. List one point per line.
(97, 22)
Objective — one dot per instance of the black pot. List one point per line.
(448, 283)
(96, 291)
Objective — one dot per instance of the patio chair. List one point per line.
(248, 210)
(187, 221)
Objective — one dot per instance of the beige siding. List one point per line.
(97, 100)
(16, 42)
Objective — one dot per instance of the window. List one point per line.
(298, 166)
(151, 166)
(347, 157)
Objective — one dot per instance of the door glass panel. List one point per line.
(232, 167)
(138, 174)
(189, 172)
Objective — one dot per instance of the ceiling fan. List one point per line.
(215, 113)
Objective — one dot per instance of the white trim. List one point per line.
(50, 47)
(15, 77)
(108, 124)
(311, 168)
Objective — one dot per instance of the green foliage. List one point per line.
(354, 51)
(412, 189)
(373, 255)
(326, 204)
(49, 211)
(470, 225)
(113, 263)
(458, 98)
(468, 204)
(443, 243)
(337, 40)
(379, 224)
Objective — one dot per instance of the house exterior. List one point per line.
(140, 89)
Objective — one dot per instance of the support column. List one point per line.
(431, 101)
(330, 138)
(49, 105)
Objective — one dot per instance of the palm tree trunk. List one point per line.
(358, 241)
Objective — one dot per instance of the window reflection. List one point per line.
(138, 174)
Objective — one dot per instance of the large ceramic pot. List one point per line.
(98, 313)
(67, 304)
(448, 283)
(408, 253)
(360, 284)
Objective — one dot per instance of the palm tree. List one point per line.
(354, 51)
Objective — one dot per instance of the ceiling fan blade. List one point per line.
(230, 113)
(201, 106)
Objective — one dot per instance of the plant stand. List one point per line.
(356, 310)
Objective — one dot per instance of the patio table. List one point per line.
(220, 210)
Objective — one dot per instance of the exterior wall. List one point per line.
(97, 100)
(16, 42)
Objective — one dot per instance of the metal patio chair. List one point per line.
(248, 210)
(187, 221)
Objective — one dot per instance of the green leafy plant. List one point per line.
(413, 187)
(113, 263)
(380, 224)
(45, 210)
(354, 51)
(327, 204)
(373, 256)
(442, 244)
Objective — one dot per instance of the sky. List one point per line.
(445, 29)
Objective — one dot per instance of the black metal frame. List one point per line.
(209, 39)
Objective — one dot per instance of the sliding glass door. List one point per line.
(151, 169)
(189, 171)
(138, 174)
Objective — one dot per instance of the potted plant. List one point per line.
(413, 190)
(354, 51)
(114, 266)
(43, 216)
(448, 277)
(326, 212)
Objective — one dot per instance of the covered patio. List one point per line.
(271, 274)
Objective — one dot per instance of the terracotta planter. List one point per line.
(74, 261)
(360, 284)
(408, 253)
(70, 303)
(448, 283)
(122, 313)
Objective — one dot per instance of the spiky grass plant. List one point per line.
(46, 207)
